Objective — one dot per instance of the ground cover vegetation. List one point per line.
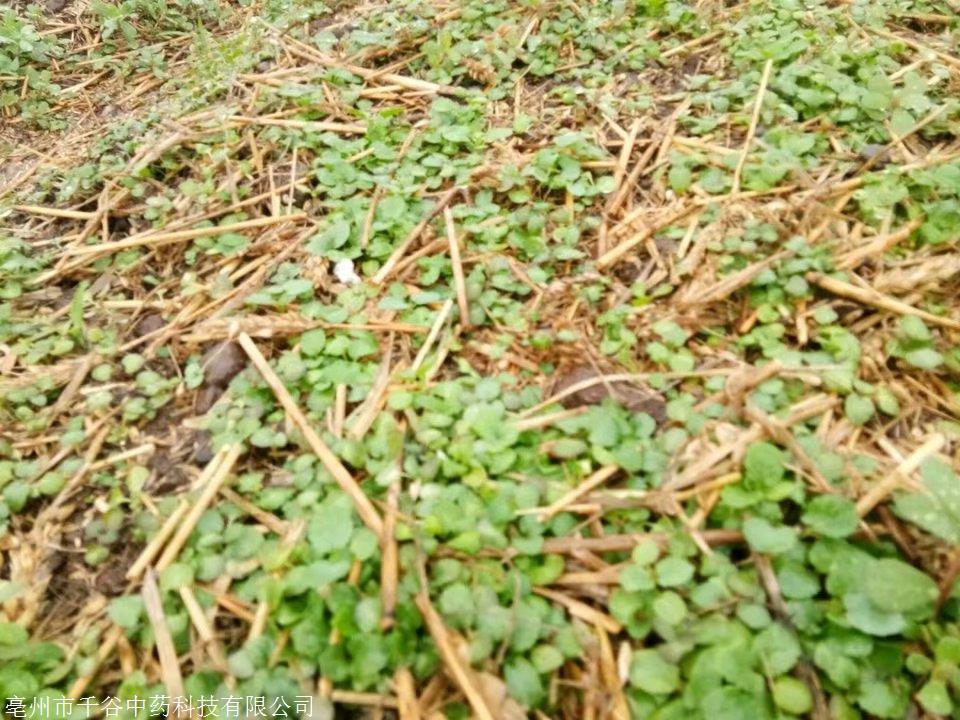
(489, 359)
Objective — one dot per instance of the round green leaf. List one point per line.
(792, 696)
(651, 673)
(766, 538)
(894, 586)
(673, 571)
(831, 515)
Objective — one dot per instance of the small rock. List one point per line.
(345, 30)
(666, 246)
(877, 154)
(633, 398)
(202, 447)
(207, 397)
(52, 7)
(345, 272)
(222, 362)
(148, 324)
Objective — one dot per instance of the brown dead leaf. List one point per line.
(493, 689)
(632, 397)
